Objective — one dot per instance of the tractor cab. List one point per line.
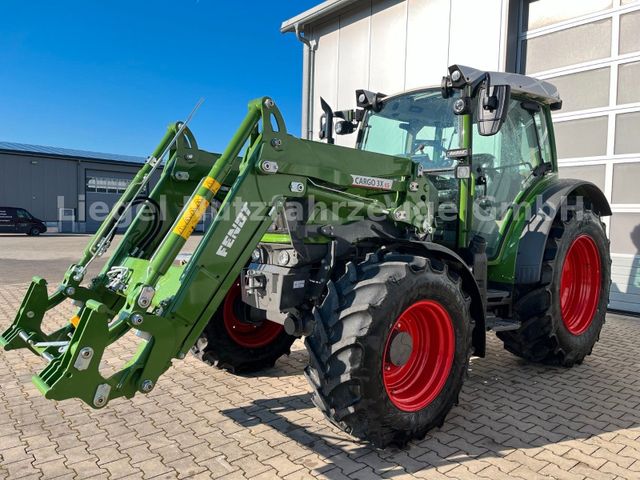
(500, 156)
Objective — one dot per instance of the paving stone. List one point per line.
(16, 454)
(283, 465)
(154, 467)
(87, 469)
(515, 420)
(562, 462)
(119, 469)
(527, 474)
(462, 472)
(186, 467)
(587, 472)
(55, 468)
(250, 466)
(494, 473)
(525, 460)
(267, 475)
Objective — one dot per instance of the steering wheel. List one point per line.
(485, 161)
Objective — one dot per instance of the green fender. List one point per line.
(469, 283)
(534, 234)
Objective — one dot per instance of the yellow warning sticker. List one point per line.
(190, 218)
(75, 320)
(211, 184)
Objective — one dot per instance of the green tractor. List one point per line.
(392, 259)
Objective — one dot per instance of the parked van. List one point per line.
(18, 220)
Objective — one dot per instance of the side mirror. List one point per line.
(493, 103)
(326, 122)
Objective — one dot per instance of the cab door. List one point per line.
(505, 165)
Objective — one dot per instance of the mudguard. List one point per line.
(469, 283)
(536, 231)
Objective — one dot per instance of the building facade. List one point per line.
(69, 189)
(590, 49)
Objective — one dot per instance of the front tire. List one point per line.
(563, 314)
(390, 348)
(237, 346)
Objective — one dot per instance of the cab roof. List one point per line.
(538, 90)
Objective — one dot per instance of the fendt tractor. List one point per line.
(392, 259)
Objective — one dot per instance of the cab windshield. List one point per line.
(420, 126)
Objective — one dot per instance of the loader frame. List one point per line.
(169, 305)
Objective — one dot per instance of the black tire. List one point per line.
(218, 348)
(543, 336)
(347, 347)
(34, 232)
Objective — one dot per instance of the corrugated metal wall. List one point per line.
(394, 45)
(42, 185)
(34, 183)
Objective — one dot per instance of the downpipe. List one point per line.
(308, 80)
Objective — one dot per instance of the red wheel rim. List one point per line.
(580, 284)
(246, 334)
(416, 383)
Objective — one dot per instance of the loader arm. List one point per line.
(141, 287)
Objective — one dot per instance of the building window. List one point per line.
(543, 13)
(629, 32)
(107, 185)
(625, 183)
(627, 125)
(592, 133)
(549, 51)
(628, 87)
(583, 90)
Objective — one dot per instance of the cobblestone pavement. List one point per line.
(514, 420)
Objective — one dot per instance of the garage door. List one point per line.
(590, 49)
(103, 189)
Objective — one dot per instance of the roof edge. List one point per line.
(67, 153)
(58, 156)
(313, 14)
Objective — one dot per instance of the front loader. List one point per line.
(392, 259)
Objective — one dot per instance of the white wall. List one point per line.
(394, 45)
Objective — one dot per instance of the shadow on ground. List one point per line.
(505, 404)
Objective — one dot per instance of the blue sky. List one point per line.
(111, 75)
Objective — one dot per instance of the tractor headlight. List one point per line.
(283, 257)
(463, 171)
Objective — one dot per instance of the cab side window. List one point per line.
(23, 214)
(542, 127)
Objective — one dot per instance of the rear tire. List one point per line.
(563, 315)
(390, 348)
(240, 347)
